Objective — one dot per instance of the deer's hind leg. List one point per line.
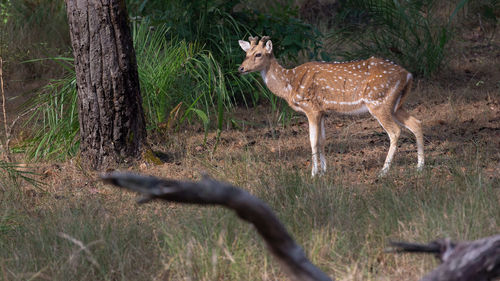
(415, 126)
(387, 121)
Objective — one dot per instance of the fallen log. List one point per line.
(211, 192)
(477, 260)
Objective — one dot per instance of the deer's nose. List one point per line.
(241, 69)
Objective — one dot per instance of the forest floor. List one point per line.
(460, 113)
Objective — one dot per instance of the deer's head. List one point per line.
(258, 55)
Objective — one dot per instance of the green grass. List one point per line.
(12, 174)
(343, 227)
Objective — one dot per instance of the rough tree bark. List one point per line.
(112, 125)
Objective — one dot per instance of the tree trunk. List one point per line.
(112, 126)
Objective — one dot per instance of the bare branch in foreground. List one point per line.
(212, 192)
(477, 260)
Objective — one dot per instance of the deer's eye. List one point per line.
(258, 55)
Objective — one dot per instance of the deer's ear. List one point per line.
(244, 45)
(269, 46)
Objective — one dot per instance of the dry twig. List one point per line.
(3, 106)
(211, 192)
(475, 260)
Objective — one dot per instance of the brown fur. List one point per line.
(315, 88)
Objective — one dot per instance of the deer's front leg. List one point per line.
(314, 137)
(322, 143)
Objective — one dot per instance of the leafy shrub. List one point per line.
(408, 32)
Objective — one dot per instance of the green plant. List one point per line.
(409, 32)
(12, 173)
(54, 118)
(177, 73)
(218, 25)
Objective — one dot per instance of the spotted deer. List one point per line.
(374, 85)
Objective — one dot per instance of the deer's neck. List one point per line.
(277, 79)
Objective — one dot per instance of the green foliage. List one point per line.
(174, 72)
(55, 118)
(43, 21)
(290, 35)
(488, 9)
(11, 174)
(4, 11)
(218, 25)
(408, 32)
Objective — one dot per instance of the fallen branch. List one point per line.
(477, 260)
(211, 192)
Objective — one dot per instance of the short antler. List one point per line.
(253, 40)
(264, 40)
